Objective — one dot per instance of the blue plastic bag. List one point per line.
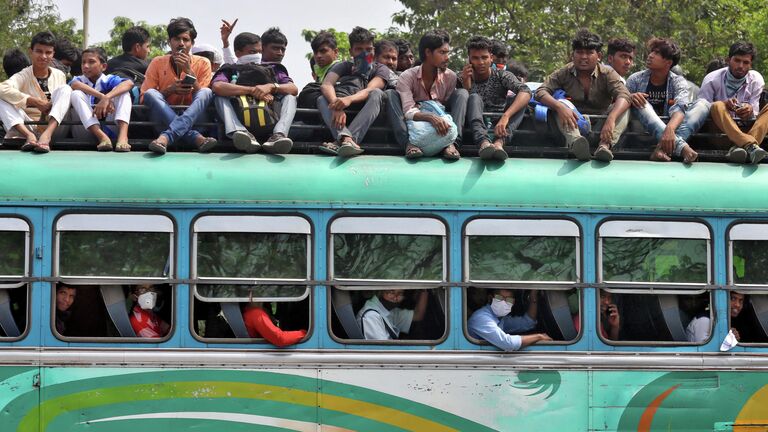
(540, 111)
(424, 136)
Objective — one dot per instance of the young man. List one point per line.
(246, 44)
(281, 93)
(14, 60)
(134, 57)
(211, 53)
(656, 91)
(325, 52)
(621, 56)
(593, 89)
(735, 305)
(494, 324)
(145, 322)
(381, 318)
(432, 74)
(610, 320)
(97, 96)
(519, 69)
(488, 92)
(179, 78)
(66, 58)
(65, 298)
(734, 93)
(405, 59)
(370, 79)
(38, 92)
(500, 54)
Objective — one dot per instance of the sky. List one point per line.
(291, 16)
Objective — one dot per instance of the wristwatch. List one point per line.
(277, 87)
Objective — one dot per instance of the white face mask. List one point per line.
(147, 300)
(250, 58)
(500, 307)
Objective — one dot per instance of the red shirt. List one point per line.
(259, 324)
(147, 324)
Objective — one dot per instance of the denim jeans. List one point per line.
(228, 117)
(475, 108)
(178, 127)
(695, 116)
(362, 122)
(456, 105)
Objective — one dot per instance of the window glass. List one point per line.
(669, 260)
(750, 262)
(252, 255)
(111, 253)
(13, 253)
(748, 316)
(244, 292)
(388, 256)
(522, 258)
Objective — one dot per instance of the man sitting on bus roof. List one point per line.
(734, 93)
(593, 88)
(620, 56)
(493, 322)
(381, 318)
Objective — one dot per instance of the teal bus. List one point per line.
(312, 238)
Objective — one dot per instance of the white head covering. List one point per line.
(217, 57)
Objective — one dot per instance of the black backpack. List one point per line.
(256, 115)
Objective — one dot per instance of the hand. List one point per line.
(178, 88)
(613, 316)
(262, 92)
(667, 142)
(183, 61)
(731, 104)
(736, 333)
(501, 127)
(543, 337)
(339, 119)
(568, 118)
(226, 30)
(606, 133)
(340, 104)
(466, 75)
(639, 99)
(440, 125)
(42, 105)
(103, 108)
(744, 111)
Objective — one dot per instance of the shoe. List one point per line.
(207, 144)
(603, 153)
(736, 155)
(157, 147)
(499, 153)
(756, 154)
(278, 144)
(245, 142)
(349, 149)
(580, 148)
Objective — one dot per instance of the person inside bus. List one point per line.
(382, 318)
(260, 324)
(735, 306)
(697, 306)
(494, 324)
(610, 320)
(65, 297)
(145, 321)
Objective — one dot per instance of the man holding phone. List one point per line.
(178, 78)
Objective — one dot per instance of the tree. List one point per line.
(157, 34)
(342, 41)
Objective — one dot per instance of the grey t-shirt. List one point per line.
(494, 90)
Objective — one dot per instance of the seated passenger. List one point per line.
(734, 93)
(494, 324)
(178, 78)
(14, 60)
(65, 297)
(593, 89)
(145, 321)
(519, 70)
(488, 90)
(133, 60)
(697, 306)
(610, 320)
(656, 92)
(325, 52)
(247, 45)
(279, 94)
(381, 318)
(260, 324)
(97, 96)
(211, 53)
(404, 56)
(735, 306)
(364, 81)
(500, 54)
(620, 56)
(37, 92)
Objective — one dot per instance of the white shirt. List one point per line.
(375, 322)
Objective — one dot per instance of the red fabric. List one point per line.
(259, 324)
(147, 324)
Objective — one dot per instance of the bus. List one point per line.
(312, 238)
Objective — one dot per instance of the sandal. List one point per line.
(450, 153)
(413, 152)
(104, 146)
(122, 147)
(486, 150)
(499, 153)
(42, 148)
(329, 147)
(158, 147)
(349, 148)
(28, 146)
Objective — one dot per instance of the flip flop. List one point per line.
(28, 146)
(157, 147)
(451, 153)
(104, 146)
(42, 148)
(122, 147)
(413, 152)
(348, 149)
(329, 148)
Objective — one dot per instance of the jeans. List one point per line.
(226, 111)
(475, 108)
(456, 105)
(695, 116)
(178, 127)
(362, 122)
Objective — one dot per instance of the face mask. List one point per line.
(250, 58)
(363, 63)
(147, 300)
(500, 307)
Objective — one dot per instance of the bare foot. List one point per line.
(658, 155)
(689, 155)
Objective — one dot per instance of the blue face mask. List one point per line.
(363, 62)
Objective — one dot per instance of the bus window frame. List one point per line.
(524, 285)
(350, 285)
(654, 288)
(748, 289)
(308, 293)
(9, 282)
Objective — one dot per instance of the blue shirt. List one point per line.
(677, 90)
(484, 324)
(104, 85)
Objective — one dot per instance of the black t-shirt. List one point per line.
(347, 68)
(126, 61)
(657, 97)
(43, 82)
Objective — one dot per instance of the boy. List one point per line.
(135, 43)
(246, 44)
(326, 54)
(405, 58)
(97, 96)
(14, 60)
(38, 92)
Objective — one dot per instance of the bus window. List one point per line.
(384, 271)
(14, 266)
(534, 264)
(114, 272)
(671, 258)
(231, 252)
(748, 302)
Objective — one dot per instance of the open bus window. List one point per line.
(748, 273)
(15, 241)
(671, 259)
(115, 269)
(537, 261)
(384, 271)
(251, 275)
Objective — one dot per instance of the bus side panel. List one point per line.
(19, 398)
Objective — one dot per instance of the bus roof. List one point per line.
(392, 182)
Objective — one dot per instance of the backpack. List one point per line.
(256, 115)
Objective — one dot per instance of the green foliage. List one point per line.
(342, 41)
(157, 34)
(654, 260)
(130, 254)
(12, 254)
(252, 255)
(380, 256)
(522, 258)
(753, 256)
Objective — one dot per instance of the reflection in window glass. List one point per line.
(388, 256)
(250, 291)
(750, 262)
(654, 260)
(13, 311)
(522, 258)
(251, 255)
(12, 253)
(107, 253)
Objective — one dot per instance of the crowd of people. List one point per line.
(427, 104)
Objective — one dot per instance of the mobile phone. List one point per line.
(189, 80)
(180, 49)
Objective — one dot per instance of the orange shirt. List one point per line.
(160, 75)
